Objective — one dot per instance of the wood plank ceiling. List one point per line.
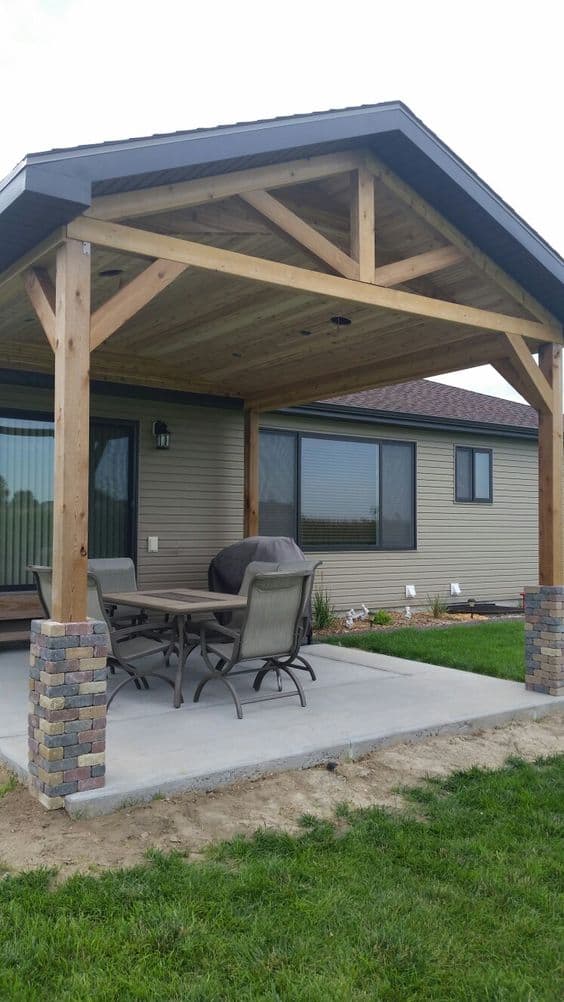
(216, 333)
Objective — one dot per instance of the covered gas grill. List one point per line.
(226, 572)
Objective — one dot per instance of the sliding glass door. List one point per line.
(26, 493)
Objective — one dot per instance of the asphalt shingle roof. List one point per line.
(426, 398)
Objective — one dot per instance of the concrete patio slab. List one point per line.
(360, 701)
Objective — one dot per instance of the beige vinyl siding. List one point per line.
(191, 497)
(490, 549)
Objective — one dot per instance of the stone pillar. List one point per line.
(67, 709)
(544, 639)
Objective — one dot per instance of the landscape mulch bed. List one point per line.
(418, 621)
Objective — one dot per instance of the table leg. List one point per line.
(180, 623)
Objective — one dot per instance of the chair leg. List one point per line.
(227, 683)
(124, 681)
(306, 666)
(262, 672)
(137, 679)
(295, 680)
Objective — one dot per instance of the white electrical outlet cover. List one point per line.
(410, 591)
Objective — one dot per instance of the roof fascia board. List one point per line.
(359, 416)
(143, 156)
(466, 179)
(49, 182)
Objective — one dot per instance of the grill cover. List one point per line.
(227, 569)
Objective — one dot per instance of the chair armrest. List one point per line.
(213, 627)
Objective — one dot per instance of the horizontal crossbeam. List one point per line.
(183, 194)
(476, 350)
(135, 241)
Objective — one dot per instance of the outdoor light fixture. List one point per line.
(162, 435)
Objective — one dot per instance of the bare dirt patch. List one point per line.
(30, 837)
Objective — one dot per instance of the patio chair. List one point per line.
(237, 617)
(271, 632)
(118, 574)
(128, 645)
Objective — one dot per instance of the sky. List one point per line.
(485, 76)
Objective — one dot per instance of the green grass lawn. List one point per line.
(456, 899)
(487, 648)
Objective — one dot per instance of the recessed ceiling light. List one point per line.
(341, 321)
(110, 272)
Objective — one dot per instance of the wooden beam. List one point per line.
(291, 224)
(363, 247)
(551, 571)
(132, 298)
(536, 388)
(41, 293)
(38, 252)
(72, 393)
(115, 367)
(129, 239)
(482, 262)
(476, 350)
(508, 372)
(165, 198)
(251, 503)
(414, 267)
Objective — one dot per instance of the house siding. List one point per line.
(191, 497)
(490, 549)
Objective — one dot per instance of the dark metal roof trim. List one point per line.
(362, 415)
(391, 129)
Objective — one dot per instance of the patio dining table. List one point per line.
(180, 604)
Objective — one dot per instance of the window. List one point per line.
(26, 493)
(278, 482)
(337, 493)
(473, 475)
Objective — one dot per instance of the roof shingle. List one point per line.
(426, 398)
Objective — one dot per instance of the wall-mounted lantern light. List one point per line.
(162, 435)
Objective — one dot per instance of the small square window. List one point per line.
(473, 475)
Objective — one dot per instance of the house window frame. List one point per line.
(299, 436)
(132, 473)
(473, 449)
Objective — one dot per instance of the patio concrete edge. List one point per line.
(98, 802)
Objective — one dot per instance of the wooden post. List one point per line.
(550, 471)
(251, 473)
(72, 405)
(363, 247)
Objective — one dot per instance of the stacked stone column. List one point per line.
(67, 709)
(544, 639)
